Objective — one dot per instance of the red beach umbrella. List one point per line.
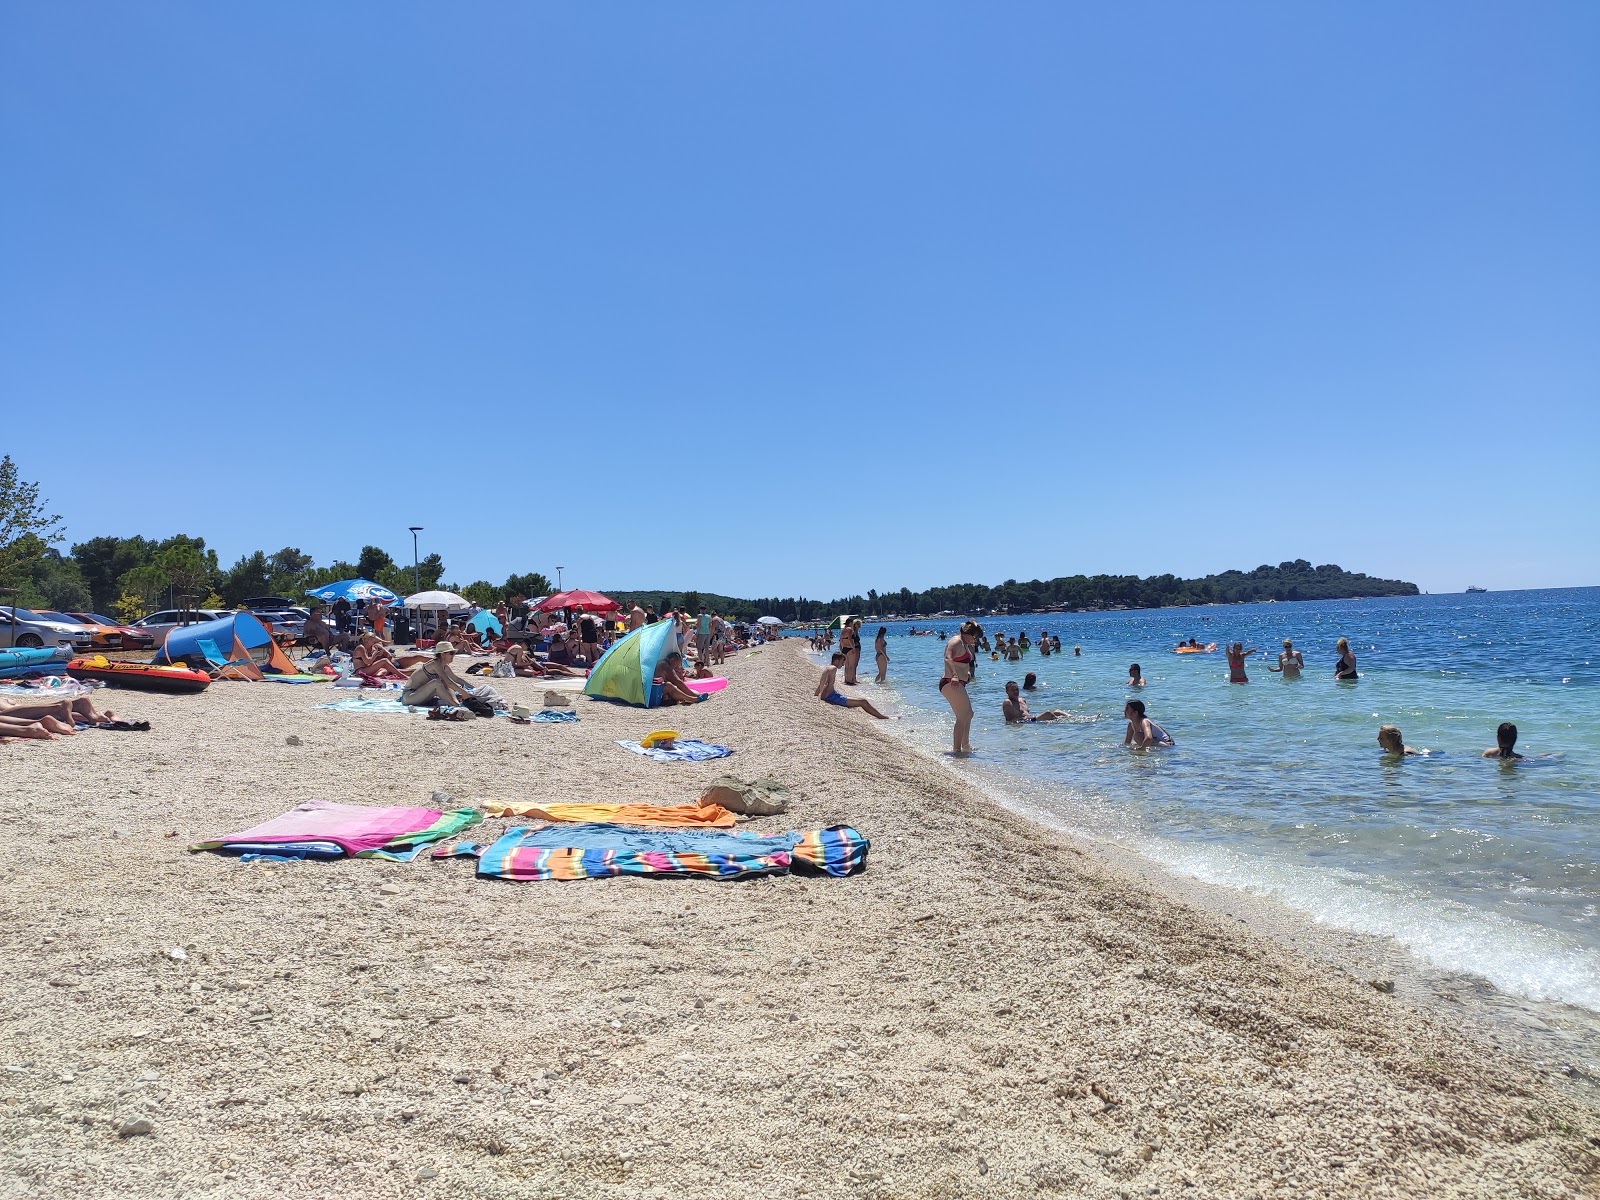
(578, 598)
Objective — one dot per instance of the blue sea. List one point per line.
(1279, 788)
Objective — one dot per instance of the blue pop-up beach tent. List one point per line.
(354, 590)
(625, 671)
(236, 637)
(485, 620)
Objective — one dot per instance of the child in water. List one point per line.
(1142, 731)
(1392, 741)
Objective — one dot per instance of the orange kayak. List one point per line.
(146, 677)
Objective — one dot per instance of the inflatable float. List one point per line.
(1195, 649)
(29, 662)
(704, 687)
(145, 677)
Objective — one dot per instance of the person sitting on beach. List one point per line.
(1291, 662)
(1142, 731)
(702, 670)
(1345, 668)
(317, 631)
(1236, 656)
(674, 685)
(373, 660)
(529, 667)
(827, 690)
(1015, 709)
(1505, 746)
(1134, 678)
(434, 682)
(1029, 682)
(1393, 742)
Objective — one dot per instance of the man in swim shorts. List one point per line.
(828, 693)
(1015, 709)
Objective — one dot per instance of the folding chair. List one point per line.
(244, 668)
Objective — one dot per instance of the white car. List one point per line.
(28, 629)
(159, 624)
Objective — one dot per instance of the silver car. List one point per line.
(30, 630)
(159, 624)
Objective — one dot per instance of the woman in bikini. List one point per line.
(880, 647)
(851, 649)
(373, 661)
(1236, 656)
(1345, 668)
(958, 656)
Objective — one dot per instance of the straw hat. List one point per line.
(444, 648)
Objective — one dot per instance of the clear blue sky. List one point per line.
(1013, 290)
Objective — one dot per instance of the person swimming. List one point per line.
(1291, 662)
(1134, 678)
(1029, 682)
(1393, 742)
(1505, 746)
(1015, 709)
(1142, 731)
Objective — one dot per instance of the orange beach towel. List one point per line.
(712, 816)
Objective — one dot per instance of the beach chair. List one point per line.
(244, 668)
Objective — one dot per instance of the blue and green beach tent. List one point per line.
(239, 637)
(625, 671)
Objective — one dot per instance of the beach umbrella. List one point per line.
(578, 598)
(446, 601)
(353, 590)
(769, 621)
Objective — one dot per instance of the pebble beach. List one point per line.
(989, 1009)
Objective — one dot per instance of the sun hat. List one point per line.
(444, 648)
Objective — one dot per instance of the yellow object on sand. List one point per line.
(712, 816)
(661, 737)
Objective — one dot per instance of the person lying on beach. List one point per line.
(1291, 662)
(373, 660)
(1142, 731)
(674, 686)
(43, 729)
(1134, 678)
(1505, 744)
(827, 690)
(66, 711)
(1393, 742)
(529, 667)
(434, 682)
(1015, 709)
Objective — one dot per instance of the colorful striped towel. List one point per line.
(683, 750)
(567, 852)
(699, 816)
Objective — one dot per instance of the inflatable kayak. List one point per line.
(1196, 649)
(30, 662)
(146, 677)
(704, 687)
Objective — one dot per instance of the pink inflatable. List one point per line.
(704, 687)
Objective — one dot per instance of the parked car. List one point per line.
(287, 621)
(132, 639)
(24, 627)
(159, 624)
(103, 637)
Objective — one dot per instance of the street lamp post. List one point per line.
(559, 588)
(416, 568)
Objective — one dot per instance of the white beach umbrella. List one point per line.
(769, 621)
(447, 601)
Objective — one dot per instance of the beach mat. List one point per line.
(370, 704)
(683, 750)
(567, 852)
(361, 831)
(700, 816)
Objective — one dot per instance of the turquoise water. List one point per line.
(1279, 788)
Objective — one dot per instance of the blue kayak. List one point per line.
(43, 661)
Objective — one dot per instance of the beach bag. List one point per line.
(477, 707)
(504, 670)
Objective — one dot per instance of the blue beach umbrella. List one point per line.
(353, 590)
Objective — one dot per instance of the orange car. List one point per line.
(109, 634)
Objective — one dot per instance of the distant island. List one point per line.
(1288, 581)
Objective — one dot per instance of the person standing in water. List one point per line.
(880, 647)
(958, 656)
(1505, 746)
(1291, 662)
(1236, 656)
(1345, 668)
(1135, 679)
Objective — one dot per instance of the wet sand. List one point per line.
(988, 1010)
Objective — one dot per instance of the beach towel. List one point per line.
(357, 830)
(268, 677)
(554, 714)
(370, 704)
(684, 750)
(663, 815)
(565, 852)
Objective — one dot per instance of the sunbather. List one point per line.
(674, 689)
(45, 728)
(529, 667)
(67, 711)
(434, 682)
(373, 660)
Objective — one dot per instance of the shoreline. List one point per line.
(986, 1010)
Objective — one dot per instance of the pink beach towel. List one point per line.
(355, 827)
